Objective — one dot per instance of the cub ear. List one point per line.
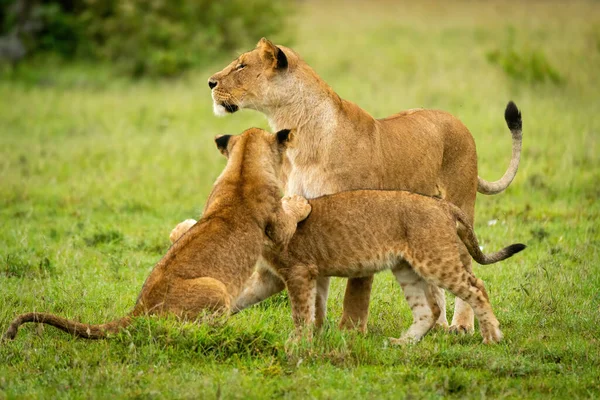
(222, 141)
(284, 137)
(272, 54)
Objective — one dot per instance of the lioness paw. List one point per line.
(296, 205)
(180, 229)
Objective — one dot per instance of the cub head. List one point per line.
(256, 148)
(253, 80)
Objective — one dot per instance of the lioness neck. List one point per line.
(314, 109)
(307, 103)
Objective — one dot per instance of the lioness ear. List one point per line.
(272, 54)
(284, 137)
(222, 141)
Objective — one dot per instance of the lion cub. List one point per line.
(206, 268)
(358, 233)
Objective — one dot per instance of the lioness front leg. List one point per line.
(356, 303)
(180, 229)
(321, 300)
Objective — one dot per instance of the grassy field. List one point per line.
(96, 171)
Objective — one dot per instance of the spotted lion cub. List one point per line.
(358, 233)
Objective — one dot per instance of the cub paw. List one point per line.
(296, 205)
(403, 341)
(180, 229)
(491, 334)
(461, 329)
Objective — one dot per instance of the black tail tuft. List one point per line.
(512, 115)
(515, 248)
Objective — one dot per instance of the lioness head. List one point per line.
(246, 82)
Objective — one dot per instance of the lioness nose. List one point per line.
(212, 83)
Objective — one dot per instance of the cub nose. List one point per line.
(212, 84)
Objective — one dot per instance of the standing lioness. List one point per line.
(341, 147)
(358, 233)
(206, 268)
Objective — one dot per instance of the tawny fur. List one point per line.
(341, 147)
(207, 266)
(359, 233)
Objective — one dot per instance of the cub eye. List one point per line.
(240, 66)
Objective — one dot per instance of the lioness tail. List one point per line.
(86, 331)
(512, 115)
(467, 235)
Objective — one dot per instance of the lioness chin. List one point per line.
(340, 146)
(359, 233)
(207, 266)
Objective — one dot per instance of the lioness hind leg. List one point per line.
(450, 274)
(422, 301)
(440, 299)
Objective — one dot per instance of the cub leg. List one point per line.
(262, 284)
(301, 283)
(472, 290)
(283, 224)
(190, 297)
(422, 301)
(356, 303)
(452, 275)
(463, 318)
(180, 229)
(321, 300)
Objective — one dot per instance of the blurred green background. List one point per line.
(106, 143)
(142, 38)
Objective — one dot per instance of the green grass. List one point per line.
(96, 171)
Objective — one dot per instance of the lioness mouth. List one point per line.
(231, 108)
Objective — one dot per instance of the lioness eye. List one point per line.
(239, 66)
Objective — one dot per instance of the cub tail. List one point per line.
(86, 331)
(467, 236)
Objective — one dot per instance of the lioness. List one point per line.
(358, 233)
(342, 147)
(206, 268)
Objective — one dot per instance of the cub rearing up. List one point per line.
(358, 233)
(206, 268)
